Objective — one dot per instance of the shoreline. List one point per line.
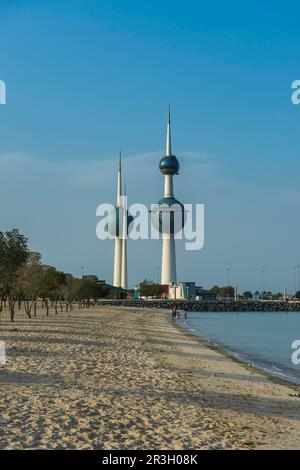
(124, 378)
(261, 380)
(234, 357)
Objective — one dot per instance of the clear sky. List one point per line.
(86, 77)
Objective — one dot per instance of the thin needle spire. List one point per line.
(119, 186)
(168, 144)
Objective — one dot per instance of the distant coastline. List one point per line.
(209, 306)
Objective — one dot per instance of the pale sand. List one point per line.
(108, 378)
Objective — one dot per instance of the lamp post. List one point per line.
(297, 278)
(82, 268)
(284, 294)
(263, 280)
(228, 283)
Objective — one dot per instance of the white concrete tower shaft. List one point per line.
(124, 243)
(168, 263)
(118, 240)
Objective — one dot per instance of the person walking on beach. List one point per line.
(173, 313)
(185, 312)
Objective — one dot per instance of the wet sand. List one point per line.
(119, 378)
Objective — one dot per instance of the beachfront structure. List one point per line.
(187, 290)
(171, 213)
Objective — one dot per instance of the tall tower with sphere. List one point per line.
(118, 241)
(118, 226)
(171, 213)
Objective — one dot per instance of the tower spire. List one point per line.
(119, 184)
(120, 161)
(168, 143)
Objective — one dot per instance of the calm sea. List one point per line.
(261, 339)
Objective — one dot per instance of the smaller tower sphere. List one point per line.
(169, 165)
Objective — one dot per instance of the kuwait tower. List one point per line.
(118, 226)
(170, 213)
(118, 241)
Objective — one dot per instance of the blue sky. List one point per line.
(86, 77)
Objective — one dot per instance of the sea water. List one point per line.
(263, 339)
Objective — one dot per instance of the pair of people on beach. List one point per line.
(176, 313)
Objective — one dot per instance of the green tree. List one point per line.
(148, 288)
(29, 284)
(247, 295)
(223, 292)
(52, 288)
(13, 255)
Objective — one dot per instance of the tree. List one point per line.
(223, 292)
(35, 280)
(28, 285)
(215, 289)
(87, 290)
(247, 295)
(150, 289)
(13, 255)
(34, 257)
(54, 284)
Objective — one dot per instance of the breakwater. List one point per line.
(209, 306)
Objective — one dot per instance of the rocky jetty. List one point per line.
(209, 306)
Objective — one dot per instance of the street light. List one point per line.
(263, 280)
(228, 283)
(82, 268)
(296, 273)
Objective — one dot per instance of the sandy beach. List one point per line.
(120, 378)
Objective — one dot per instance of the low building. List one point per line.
(116, 292)
(90, 277)
(94, 278)
(183, 290)
(175, 292)
(206, 295)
